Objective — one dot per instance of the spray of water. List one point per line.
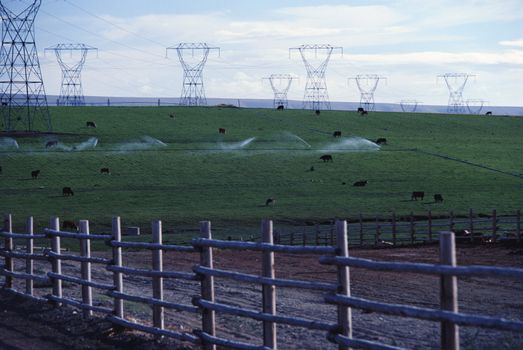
(352, 144)
(236, 145)
(89, 144)
(296, 137)
(144, 143)
(7, 142)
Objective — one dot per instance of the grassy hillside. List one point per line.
(199, 174)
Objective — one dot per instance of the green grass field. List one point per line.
(202, 175)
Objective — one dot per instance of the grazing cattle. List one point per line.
(360, 183)
(280, 108)
(221, 130)
(361, 110)
(51, 144)
(35, 173)
(171, 115)
(417, 194)
(438, 198)
(90, 124)
(69, 225)
(67, 191)
(105, 171)
(488, 113)
(270, 201)
(336, 134)
(317, 112)
(326, 157)
(4, 104)
(364, 113)
(381, 141)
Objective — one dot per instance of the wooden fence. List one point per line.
(337, 292)
(396, 230)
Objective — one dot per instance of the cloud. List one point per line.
(517, 42)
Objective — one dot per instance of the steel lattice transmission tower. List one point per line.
(280, 84)
(22, 93)
(456, 83)
(193, 91)
(475, 106)
(316, 96)
(71, 93)
(367, 84)
(409, 105)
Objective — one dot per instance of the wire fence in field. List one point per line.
(103, 290)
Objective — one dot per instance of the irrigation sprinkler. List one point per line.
(456, 84)
(71, 93)
(193, 57)
(367, 84)
(316, 96)
(280, 84)
(22, 94)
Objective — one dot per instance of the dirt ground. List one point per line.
(31, 325)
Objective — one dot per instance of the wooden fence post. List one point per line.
(394, 228)
(8, 247)
(56, 263)
(207, 286)
(304, 238)
(117, 261)
(494, 225)
(85, 251)
(471, 225)
(158, 311)
(448, 292)
(361, 229)
(518, 225)
(344, 312)
(29, 250)
(412, 229)
(430, 225)
(269, 291)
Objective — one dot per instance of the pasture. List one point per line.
(183, 170)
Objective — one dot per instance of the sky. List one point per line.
(407, 42)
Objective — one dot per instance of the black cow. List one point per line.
(104, 171)
(317, 112)
(270, 201)
(67, 191)
(381, 141)
(360, 183)
(438, 198)
(336, 134)
(68, 224)
(221, 130)
(361, 110)
(171, 115)
(417, 194)
(326, 157)
(90, 124)
(35, 173)
(364, 113)
(51, 144)
(488, 113)
(280, 108)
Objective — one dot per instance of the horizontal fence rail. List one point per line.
(329, 245)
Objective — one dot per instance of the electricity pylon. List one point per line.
(71, 93)
(409, 105)
(475, 106)
(280, 84)
(456, 83)
(316, 96)
(193, 90)
(367, 84)
(22, 94)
